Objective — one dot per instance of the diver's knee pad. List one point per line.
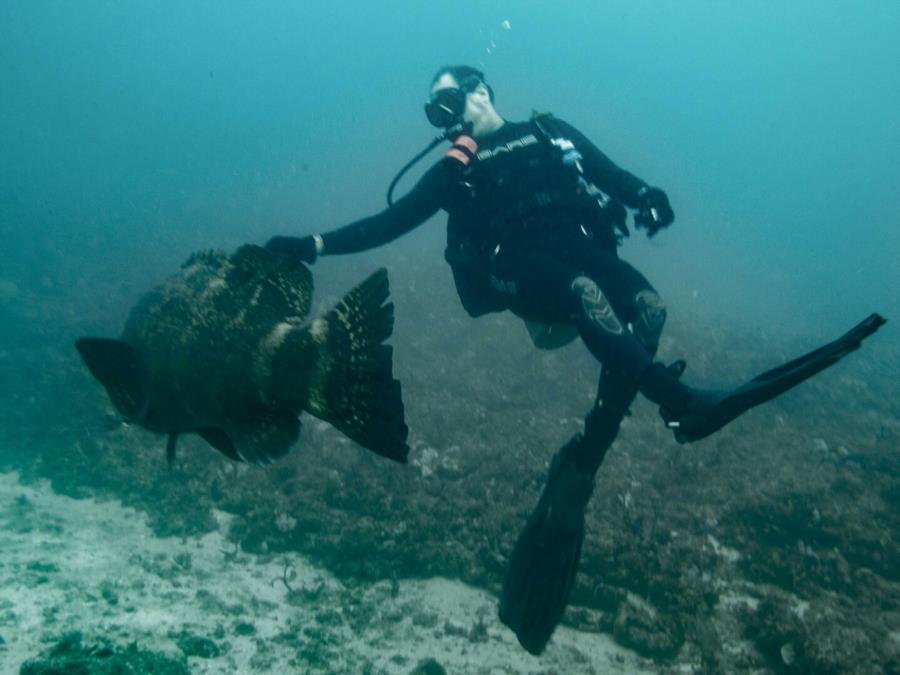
(595, 308)
(651, 318)
(602, 332)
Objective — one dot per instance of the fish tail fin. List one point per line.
(355, 390)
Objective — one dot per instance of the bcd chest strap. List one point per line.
(548, 130)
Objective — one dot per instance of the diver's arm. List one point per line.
(602, 171)
(655, 212)
(407, 213)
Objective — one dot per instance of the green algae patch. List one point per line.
(72, 654)
(195, 645)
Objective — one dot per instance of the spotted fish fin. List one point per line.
(116, 365)
(353, 388)
(264, 437)
(278, 279)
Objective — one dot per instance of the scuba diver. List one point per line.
(536, 214)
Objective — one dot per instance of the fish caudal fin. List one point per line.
(355, 390)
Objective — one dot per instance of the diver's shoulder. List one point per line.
(561, 122)
(507, 131)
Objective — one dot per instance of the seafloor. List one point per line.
(770, 547)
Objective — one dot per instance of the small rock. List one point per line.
(478, 632)
(428, 667)
(183, 560)
(647, 631)
(45, 568)
(245, 628)
(329, 617)
(454, 629)
(788, 654)
(109, 594)
(393, 616)
(425, 619)
(194, 645)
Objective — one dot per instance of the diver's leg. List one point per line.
(547, 288)
(617, 390)
(545, 559)
(694, 414)
(544, 562)
(603, 333)
(691, 413)
(615, 393)
(631, 295)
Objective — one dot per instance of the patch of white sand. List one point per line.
(97, 568)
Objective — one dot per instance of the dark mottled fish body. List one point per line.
(223, 349)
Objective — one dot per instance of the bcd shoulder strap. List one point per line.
(568, 154)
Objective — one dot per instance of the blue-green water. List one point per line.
(128, 127)
(134, 133)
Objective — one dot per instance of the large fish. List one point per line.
(223, 349)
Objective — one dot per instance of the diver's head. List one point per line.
(460, 94)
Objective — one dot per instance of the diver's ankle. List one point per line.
(661, 385)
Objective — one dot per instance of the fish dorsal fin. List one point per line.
(116, 365)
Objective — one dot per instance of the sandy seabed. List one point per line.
(96, 567)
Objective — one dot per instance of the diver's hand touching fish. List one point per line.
(221, 349)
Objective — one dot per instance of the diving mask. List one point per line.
(447, 105)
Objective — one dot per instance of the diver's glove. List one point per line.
(654, 211)
(304, 249)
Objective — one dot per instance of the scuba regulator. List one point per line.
(463, 147)
(445, 111)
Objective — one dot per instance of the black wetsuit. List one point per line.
(533, 231)
(517, 235)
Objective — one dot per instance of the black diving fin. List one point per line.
(542, 568)
(708, 411)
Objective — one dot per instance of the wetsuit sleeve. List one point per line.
(600, 169)
(407, 213)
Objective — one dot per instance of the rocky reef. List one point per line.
(770, 547)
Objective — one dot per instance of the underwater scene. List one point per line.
(611, 386)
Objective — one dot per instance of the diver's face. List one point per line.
(477, 102)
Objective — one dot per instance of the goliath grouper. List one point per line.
(221, 349)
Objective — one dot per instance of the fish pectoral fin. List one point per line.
(265, 438)
(116, 365)
(247, 262)
(220, 441)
